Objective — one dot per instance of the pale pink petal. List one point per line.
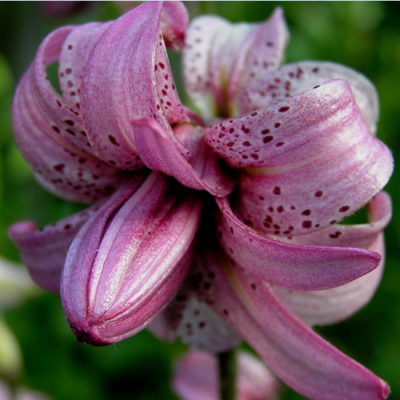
(292, 266)
(220, 57)
(128, 75)
(194, 323)
(292, 79)
(328, 306)
(196, 378)
(297, 355)
(203, 171)
(302, 158)
(129, 260)
(63, 162)
(325, 307)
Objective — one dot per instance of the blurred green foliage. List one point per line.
(361, 35)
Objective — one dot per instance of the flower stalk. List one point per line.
(227, 374)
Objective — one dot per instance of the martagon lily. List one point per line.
(210, 229)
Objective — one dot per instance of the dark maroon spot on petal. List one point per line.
(68, 71)
(335, 235)
(276, 226)
(69, 122)
(59, 167)
(271, 209)
(333, 222)
(318, 193)
(344, 209)
(279, 144)
(268, 218)
(292, 207)
(265, 131)
(283, 109)
(316, 87)
(231, 229)
(254, 156)
(70, 132)
(307, 224)
(225, 311)
(211, 275)
(164, 92)
(267, 225)
(230, 249)
(280, 209)
(244, 129)
(162, 66)
(82, 160)
(112, 162)
(277, 124)
(268, 139)
(316, 69)
(253, 286)
(231, 130)
(246, 143)
(113, 140)
(207, 285)
(277, 190)
(202, 325)
(254, 114)
(306, 212)
(55, 129)
(261, 197)
(58, 103)
(269, 44)
(67, 226)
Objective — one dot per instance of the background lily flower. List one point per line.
(196, 377)
(295, 160)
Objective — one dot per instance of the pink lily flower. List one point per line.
(168, 236)
(196, 378)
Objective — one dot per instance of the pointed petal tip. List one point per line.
(21, 228)
(385, 389)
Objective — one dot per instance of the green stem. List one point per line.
(227, 374)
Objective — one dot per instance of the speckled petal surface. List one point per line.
(295, 267)
(63, 163)
(296, 354)
(203, 171)
(300, 159)
(128, 75)
(294, 78)
(129, 260)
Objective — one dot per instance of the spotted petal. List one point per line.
(63, 162)
(294, 78)
(301, 159)
(328, 306)
(128, 261)
(203, 171)
(221, 57)
(128, 75)
(294, 267)
(297, 355)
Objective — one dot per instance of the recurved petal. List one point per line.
(196, 377)
(328, 306)
(128, 75)
(50, 134)
(202, 171)
(294, 78)
(44, 250)
(302, 158)
(291, 266)
(129, 260)
(324, 307)
(296, 354)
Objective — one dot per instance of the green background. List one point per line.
(361, 35)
